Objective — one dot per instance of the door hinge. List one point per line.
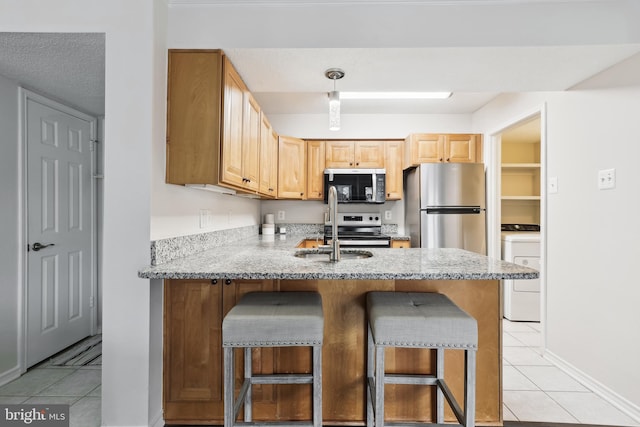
(91, 302)
(92, 144)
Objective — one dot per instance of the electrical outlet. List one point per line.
(387, 214)
(606, 179)
(552, 184)
(280, 215)
(204, 218)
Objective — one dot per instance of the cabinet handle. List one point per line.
(302, 194)
(214, 281)
(441, 159)
(350, 163)
(227, 282)
(448, 160)
(357, 163)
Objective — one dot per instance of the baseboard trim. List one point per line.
(157, 421)
(10, 375)
(596, 386)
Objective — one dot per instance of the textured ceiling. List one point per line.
(286, 74)
(66, 66)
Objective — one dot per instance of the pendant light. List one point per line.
(334, 98)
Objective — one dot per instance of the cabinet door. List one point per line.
(393, 165)
(192, 375)
(194, 114)
(460, 148)
(369, 154)
(292, 168)
(339, 154)
(251, 143)
(268, 158)
(234, 90)
(315, 170)
(423, 148)
(396, 244)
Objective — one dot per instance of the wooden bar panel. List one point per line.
(193, 366)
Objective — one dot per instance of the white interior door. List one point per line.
(60, 228)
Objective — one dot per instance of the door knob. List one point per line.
(37, 246)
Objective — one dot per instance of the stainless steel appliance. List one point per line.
(358, 230)
(445, 206)
(356, 185)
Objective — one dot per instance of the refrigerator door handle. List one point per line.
(454, 210)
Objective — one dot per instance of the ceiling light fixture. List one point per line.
(395, 95)
(334, 98)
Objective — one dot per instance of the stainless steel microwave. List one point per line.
(356, 185)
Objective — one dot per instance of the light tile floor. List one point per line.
(536, 390)
(78, 387)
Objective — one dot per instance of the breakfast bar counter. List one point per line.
(274, 257)
(201, 288)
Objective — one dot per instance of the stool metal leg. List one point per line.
(248, 373)
(370, 377)
(470, 388)
(439, 394)
(228, 387)
(379, 382)
(317, 386)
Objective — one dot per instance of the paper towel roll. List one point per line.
(268, 218)
(268, 229)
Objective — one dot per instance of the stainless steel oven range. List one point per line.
(358, 230)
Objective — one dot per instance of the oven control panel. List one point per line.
(358, 219)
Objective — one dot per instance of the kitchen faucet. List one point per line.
(333, 217)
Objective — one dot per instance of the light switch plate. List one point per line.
(387, 214)
(552, 184)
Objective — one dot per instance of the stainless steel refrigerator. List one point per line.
(445, 206)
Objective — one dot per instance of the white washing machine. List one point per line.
(522, 297)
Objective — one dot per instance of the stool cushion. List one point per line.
(415, 319)
(274, 319)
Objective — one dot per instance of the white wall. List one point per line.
(10, 275)
(592, 285)
(362, 126)
(129, 396)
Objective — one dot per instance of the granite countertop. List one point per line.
(272, 257)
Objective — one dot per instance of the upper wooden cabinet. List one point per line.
(393, 155)
(194, 116)
(251, 128)
(437, 148)
(213, 123)
(315, 170)
(292, 168)
(354, 154)
(269, 159)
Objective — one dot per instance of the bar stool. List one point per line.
(419, 320)
(272, 319)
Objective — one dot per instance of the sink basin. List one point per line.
(345, 254)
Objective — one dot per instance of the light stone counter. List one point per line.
(272, 257)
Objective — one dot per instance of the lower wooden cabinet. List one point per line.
(311, 243)
(192, 378)
(396, 244)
